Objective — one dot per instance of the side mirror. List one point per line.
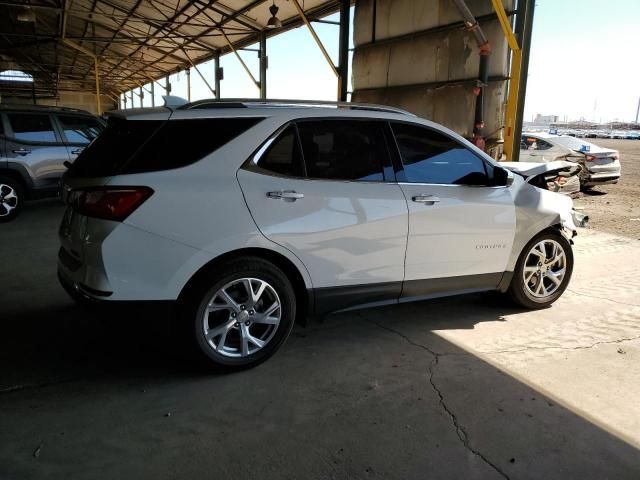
(502, 177)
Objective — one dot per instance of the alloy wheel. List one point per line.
(242, 317)
(544, 269)
(8, 199)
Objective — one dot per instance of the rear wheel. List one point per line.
(11, 198)
(242, 315)
(543, 271)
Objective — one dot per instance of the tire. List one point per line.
(530, 294)
(12, 198)
(220, 324)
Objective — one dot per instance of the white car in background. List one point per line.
(600, 166)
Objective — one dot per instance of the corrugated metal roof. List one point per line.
(136, 40)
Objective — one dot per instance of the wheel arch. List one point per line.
(304, 296)
(556, 228)
(17, 175)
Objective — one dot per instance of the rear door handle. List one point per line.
(22, 151)
(287, 195)
(426, 199)
(77, 151)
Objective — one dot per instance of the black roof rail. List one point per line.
(36, 108)
(284, 103)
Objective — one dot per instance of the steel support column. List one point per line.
(313, 33)
(343, 50)
(153, 94)
(188, 74)
(216, 73)
(263, 65)
(98, 103)
(527, 9)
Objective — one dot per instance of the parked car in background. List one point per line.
(35, 144)
(244, 214)
(632, 135)
(600, 165)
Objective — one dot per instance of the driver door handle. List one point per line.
(288, 195)
(22, 151)
(426, 199)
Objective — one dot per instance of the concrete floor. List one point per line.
(463, 387)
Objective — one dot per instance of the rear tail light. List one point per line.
(111, 203)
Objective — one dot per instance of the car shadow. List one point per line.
(594, 193)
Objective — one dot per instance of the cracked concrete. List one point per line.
(435, 358)
(344, 399)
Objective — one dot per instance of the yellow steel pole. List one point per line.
(98, 103)
(514, 80)
(512, 105)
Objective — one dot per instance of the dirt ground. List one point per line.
(616, 208)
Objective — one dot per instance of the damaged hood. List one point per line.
(531, 170)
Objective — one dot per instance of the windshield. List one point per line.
(573, 143)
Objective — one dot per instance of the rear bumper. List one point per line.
(600, 179)
(87, 296)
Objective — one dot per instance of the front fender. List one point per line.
(536, 211)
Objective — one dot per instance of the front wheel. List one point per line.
(241, 316)
(543, 271)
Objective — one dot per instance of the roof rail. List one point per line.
(50, 108)
(282, 103)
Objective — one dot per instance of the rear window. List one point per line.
(137, 146)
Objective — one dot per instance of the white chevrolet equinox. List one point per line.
(246, 214)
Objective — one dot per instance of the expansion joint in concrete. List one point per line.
(579, 347)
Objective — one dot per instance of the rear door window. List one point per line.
(283, 157)
(78, 129)
(32, 127)
(137, 146)
(343, 149)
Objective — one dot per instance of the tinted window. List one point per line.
(343, 149)
(110, 151)
(135, 146)
(283, 157)
(431, 157)
(32, 127)
(79, 129)
(182, 142)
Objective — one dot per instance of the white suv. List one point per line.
(248, 214)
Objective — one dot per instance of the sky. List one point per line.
(585, 60)
(584, 63)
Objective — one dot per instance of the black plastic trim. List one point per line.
(503, 286)
(433, 286)
(332, 299)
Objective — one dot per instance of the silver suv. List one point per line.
(244, 215)
(35, 144)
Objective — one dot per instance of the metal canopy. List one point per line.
(61, 42)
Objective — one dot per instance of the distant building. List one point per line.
(545, 119)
